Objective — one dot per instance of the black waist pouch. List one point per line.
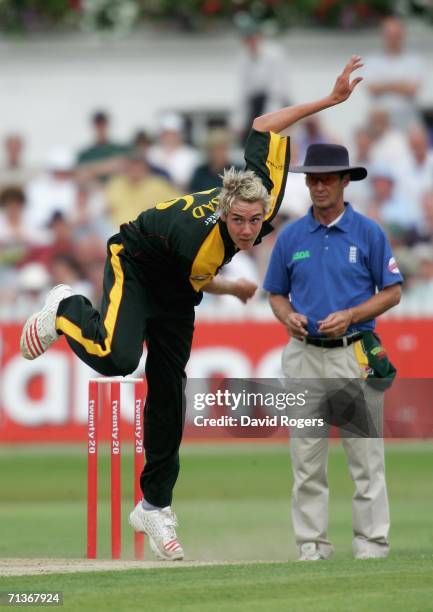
(382, 372)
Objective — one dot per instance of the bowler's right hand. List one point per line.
(244, 289)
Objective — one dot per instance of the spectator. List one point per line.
(426, 224)
(142, 142)
(363, 144)
(90, 254)
(103, 157)
(89, 216)
(14, 171)
(136, 190)
(312, 132)
(66, 269)
(16, 241)
(389, 146)
(16, 236)
(394, 76)
(88, 251)
(416, 174)
(61, 241)
(208, 175)
(53, 190)
(171, 153)
(387, 207)
(418, 298)
(296, 199)
(358, 192)
(262, 76)
(62, 230)
(27, 292)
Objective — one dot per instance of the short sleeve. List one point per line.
(383, 265)
(268, 155)
(277, 279)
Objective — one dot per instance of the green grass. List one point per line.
(233, 504)
(398, 585)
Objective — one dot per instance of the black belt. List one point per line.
(333, 342)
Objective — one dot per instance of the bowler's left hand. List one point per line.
(344, 87)
(336, 323)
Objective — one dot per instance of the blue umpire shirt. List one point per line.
(324, 269)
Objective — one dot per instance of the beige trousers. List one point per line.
(370, 510)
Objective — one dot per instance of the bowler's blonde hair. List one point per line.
(242, 185)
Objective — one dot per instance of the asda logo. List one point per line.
(300, 255)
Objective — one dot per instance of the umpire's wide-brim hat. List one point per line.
(326, 158)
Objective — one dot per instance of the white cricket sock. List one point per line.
(147, 506)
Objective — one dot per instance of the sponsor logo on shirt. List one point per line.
(300, 255)
(352, 254)
(392, 266)
(378, 352)
(275, 165)
(212, 219)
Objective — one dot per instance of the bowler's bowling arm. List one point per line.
(241, 288)
(282, 119)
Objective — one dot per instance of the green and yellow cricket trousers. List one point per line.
(111, 342)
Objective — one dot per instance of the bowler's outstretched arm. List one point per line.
(282, 119)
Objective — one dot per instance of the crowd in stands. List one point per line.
(55, 219)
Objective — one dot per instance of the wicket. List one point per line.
(92, 462)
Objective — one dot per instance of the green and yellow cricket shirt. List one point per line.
(181, 244)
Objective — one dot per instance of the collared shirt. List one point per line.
(325, 269)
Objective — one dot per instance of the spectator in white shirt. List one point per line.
(14, 170)
(415, 176)
(390, 146)
(387, 205)
(262, 77)
(171, 153)
(394, 76)
(53, 190)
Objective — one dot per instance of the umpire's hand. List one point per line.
(296, 325)
(336, 323)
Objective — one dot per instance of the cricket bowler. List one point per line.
(156, 270)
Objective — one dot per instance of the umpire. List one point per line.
(156, 270)
(330, 275)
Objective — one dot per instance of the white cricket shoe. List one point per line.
(159, 526)
(371, 555)
(39, 331)
(310, 552)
